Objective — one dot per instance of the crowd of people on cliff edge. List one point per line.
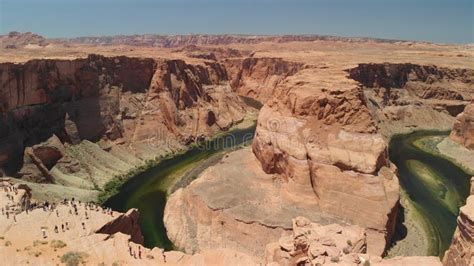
(14, 206)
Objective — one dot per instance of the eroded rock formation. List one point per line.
(463, 128)
(408, 97)
(260, 78)
(135, 109)
(326, 144)
(235, 205)
(313, 244)
(126, 223)
(461, 251)
(323, 150)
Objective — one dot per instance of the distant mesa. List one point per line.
(15, 39)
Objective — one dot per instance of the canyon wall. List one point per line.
(407, 97)
(461, 251)
(80, 122)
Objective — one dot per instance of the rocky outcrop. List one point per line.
(326, 144)
(133, 109)
(259, 78)
(40, 159)
(463, 128)
(461, 251)
(126, 223)
(68, 234)
(314, 244)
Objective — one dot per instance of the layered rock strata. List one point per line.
(461, 251)
(260, 78)
(408, 97)
(83, 121)
(325, 144)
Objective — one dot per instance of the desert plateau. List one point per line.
(235, 149)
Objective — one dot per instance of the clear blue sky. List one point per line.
(430, 20)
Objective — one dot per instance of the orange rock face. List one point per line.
(259, 78)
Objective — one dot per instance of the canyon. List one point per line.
(80, 117)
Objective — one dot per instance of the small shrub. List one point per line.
(2, 237)
(74, 258)
(8, 243)
(367, 263)
(34, 253)
(58, 244)
(346, 250)
(39, 242)
(335, 259)
(349, 242)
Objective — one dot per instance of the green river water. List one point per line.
(434, 187)
(149, 190)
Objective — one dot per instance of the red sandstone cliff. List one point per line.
(132, 105)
